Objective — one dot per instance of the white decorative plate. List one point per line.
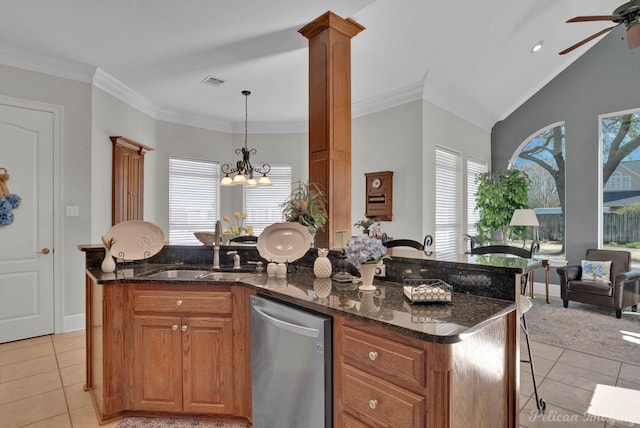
(284, 242)
(135, 240)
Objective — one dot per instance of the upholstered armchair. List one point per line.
(619, 290)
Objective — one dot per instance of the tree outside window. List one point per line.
(620, 142)
(542, 158)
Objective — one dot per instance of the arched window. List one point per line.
(542, 158)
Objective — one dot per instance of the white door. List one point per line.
(26, 253)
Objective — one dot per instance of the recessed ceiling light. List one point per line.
(537, 47)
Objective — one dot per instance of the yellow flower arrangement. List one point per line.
(108, 243)
(239, 226)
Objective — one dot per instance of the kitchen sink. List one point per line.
(179, 274)
(196, 274)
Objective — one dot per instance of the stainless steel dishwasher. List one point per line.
(291, 370)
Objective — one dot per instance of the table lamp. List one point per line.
(526, 217)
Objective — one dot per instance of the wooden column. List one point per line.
(330, 117)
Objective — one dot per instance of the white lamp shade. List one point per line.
(226, 181)
(264, 181)
(239, 179)
(524, 217)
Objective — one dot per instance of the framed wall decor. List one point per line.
(379, 195)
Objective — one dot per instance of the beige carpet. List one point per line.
(139, 422)
(586, 328)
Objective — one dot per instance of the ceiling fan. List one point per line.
(627, 14)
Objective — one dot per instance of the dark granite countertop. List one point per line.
(386, 307)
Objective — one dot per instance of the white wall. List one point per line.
(112, 117)
(75, 174)
(390, 140)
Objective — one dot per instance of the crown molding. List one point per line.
(300, 127)
(195, 120)
(387, 100)
(113, 86)
(47, 65)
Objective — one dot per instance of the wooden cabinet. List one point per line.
(127, 201)
(383, 378)
(382, 381)
(183, 357)
(154, 347)
(193, 356)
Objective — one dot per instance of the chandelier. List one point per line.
(243, 169)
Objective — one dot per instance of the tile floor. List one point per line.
(41, 385)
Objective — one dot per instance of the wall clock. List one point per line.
(379, 195)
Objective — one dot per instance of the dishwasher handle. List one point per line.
(293, 328)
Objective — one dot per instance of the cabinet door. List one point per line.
(128, 179)
(128, 168)
(208, 364)
(157, 363)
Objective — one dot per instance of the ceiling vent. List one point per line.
(213, 81)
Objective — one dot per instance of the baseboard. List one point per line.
(73, 323)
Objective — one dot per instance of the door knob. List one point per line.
(45, 250)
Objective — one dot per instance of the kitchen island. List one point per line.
(395, 364)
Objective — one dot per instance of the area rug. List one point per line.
(586, 328)
(139, 422)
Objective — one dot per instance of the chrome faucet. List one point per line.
(216, 245)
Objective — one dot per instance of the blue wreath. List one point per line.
(7, 204)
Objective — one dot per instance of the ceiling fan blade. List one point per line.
(588, 39)
(592, 18)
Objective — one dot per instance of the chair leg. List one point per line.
(565, 303)
(540, 404)
(618, 313)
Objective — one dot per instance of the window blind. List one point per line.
(474, 169)
(262, 204)
(193, 198)
(447, 201)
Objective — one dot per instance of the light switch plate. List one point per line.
(73, 211)
(381, 271)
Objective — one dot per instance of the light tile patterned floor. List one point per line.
(41, 385)
(566, 380)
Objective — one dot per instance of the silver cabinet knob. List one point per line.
(179, 302)
(373, 403)
(184, 328)
(174, 327)
(373, 355)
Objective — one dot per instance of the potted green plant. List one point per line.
(366, 224)
(497, 197)
(306, 205)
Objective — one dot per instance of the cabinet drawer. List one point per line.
(379, 403)
(390, 360)
(349, 422)
(207, 302)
